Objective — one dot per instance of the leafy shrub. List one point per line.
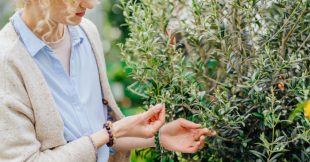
(239, 67)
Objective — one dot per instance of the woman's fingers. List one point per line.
(162, 114)
(153, 111)
(153, 119)
(194, 148)
(202, 142)
(156, 117)
(207, 132)
(201, 134)
(188, 124)
(158, 123)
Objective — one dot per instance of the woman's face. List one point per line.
(69, 12)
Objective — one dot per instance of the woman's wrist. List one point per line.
(112, 138)
(100, 138)
(152, 142)
(157, 141)
(118, 129)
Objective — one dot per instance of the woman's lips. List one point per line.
(81, 14)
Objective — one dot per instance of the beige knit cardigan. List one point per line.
(31, 128)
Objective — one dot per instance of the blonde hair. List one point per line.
(45, 5)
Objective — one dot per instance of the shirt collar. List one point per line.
(32, 43)
(76, 34)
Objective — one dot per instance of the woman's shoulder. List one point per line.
(8, 39)
(88, 25)
(7, 33)
(90, 28)
(91, 32)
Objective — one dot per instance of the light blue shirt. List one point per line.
(78, 96)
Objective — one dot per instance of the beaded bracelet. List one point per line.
(156, 141)
(108, 127)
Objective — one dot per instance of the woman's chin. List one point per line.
(75, 21)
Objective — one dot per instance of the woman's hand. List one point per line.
(183, 136)
(143, 125)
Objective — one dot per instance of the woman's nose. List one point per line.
(89, 4)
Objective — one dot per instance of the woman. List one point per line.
(52, 84)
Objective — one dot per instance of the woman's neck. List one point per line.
(31, 18)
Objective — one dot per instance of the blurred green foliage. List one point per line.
(6, 10)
